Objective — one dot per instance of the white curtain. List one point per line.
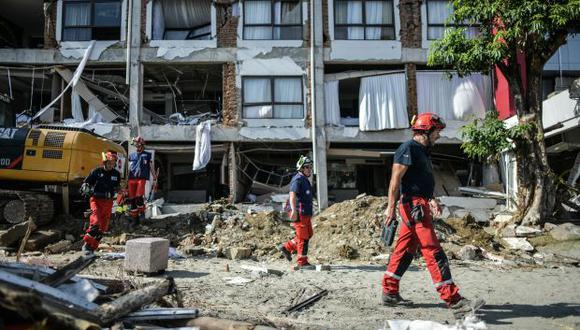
(77, 14)
(202, 145)
(354, 16)
(288, 90)
(257, 12)
(437, 13)
(158, 20)
(374, 15)
(287, 13)
(183, 14)
(257, 90)
(455, 99)
(92, 111)
(331, 103)
(76, 107)
(383, 103)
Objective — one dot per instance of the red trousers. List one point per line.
(136, 199)
(299, 243)
(98, 221)
(419, 234)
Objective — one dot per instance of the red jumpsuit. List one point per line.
(105, 184)
(420, 234)
(299, 243)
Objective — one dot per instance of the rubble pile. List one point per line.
(349, 230)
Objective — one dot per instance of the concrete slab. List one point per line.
(181, 208)
(516, 243)
(468, 202)
(146, 255)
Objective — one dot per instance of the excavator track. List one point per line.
(17, 206)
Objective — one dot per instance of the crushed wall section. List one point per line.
(410, 15)
(50, 10)
(230, 95)
(227, 26)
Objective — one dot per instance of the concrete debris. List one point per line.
(525, 231)
(566, 231)
(262, 270)
(502, 218)
(42, 238)
(468, 202)
(146, 255)
(13, 234)
(508, 231)
(516, 243)
(236, 253)
(58, 247)
(469, 253)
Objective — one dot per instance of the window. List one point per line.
(438, 11)
(91, 20)
(272, 20)
(272, 97)
(182, 20)
(364, 20)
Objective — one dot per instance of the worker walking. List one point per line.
(140, 171)
(299, 208)
(101, 185)
(412, 178)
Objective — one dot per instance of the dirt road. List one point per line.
(517, 298)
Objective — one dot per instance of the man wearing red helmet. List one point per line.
(139, 172)
(101, 185)
(412, 178)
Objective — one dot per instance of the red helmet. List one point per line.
(426, 122)
(138, 141)
(110, 155)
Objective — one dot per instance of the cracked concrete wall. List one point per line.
(230, 95)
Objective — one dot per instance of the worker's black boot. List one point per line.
(285, 252)
(465, 306)
(395, 300)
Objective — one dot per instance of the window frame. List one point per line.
(272, 102)
(364, 25)
(429, 25)
(272, 25)
(190, 35)
(91, 26)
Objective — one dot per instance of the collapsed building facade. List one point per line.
(159, 68)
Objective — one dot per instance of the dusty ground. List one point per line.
(518, 298)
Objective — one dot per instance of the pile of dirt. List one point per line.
(349, 230)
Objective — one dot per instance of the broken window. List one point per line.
(182, 20)
(364, 20)
(272, 20)
(91, 20)
(438, 12)
(272, 97)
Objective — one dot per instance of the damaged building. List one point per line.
(228, 94)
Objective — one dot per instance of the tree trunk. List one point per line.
(536, 195)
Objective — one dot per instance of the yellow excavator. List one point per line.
(35, 160)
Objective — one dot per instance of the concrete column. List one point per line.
(168, 104)
(135, 68)
(319, 122)
(233, 171)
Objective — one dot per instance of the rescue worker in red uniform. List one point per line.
(101, 184)
(412, 178)
(299, 208)
(140, 170)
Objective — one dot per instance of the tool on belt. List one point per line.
(389, 231)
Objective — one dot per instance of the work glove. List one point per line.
(85, 189)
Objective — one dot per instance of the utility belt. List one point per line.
(103, 195)
(415, 204)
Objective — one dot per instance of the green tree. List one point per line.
(532, 30)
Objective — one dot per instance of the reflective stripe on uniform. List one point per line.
(393, 275)
(443, 283)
